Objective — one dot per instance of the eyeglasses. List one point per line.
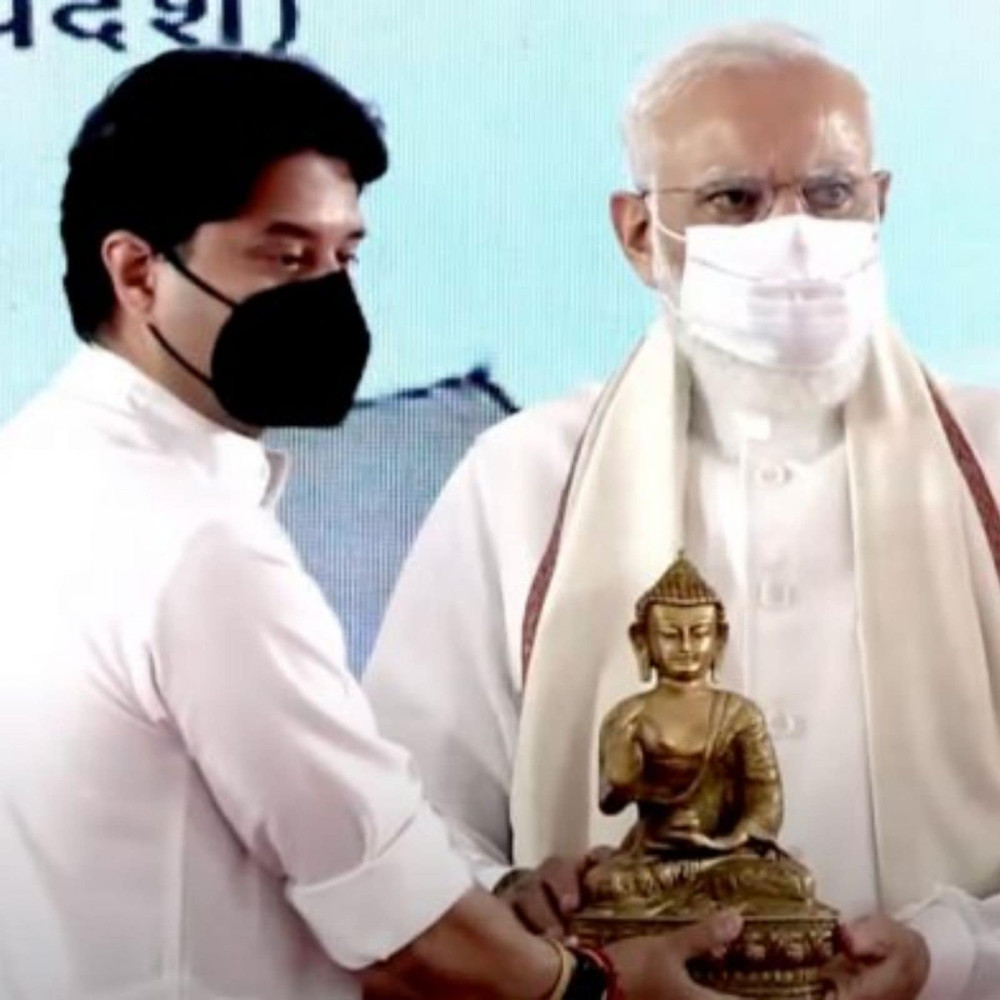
(739, 200)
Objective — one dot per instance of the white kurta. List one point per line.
(445, 677)
(195, 801)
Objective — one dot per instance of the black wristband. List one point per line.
(589, 980)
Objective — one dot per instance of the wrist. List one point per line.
(584, 974)
(567, 964)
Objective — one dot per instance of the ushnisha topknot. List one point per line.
(682, 585)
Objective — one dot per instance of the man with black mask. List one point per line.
(195, 800)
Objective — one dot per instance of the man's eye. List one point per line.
(733, 199)
(829, 194)
(292, 260)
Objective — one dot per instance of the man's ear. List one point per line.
(630, 218)
(884, 185)
(129, 262)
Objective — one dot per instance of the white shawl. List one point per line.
(927, 589)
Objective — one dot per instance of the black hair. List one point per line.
(182, 140)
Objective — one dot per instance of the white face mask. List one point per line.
(794, 292)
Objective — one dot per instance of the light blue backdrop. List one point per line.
(490, 240)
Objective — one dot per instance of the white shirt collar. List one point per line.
(155, 417)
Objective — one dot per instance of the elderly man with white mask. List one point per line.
(839, 498)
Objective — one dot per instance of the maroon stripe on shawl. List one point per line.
(968, 464)
(543, 575)
(972, 472)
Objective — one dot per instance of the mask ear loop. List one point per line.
(658, 224)
(178, 357)
(667, 285)
(173, 258)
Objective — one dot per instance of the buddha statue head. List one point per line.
(680, 626)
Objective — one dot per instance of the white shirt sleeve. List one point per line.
(963, 938)
(248, 662)
(439, 677)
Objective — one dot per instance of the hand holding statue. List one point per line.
(881, 960)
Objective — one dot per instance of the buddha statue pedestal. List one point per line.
(786, 942)
(698, 764)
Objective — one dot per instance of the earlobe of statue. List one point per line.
(720, 651)
(713, 670)
(641, 647)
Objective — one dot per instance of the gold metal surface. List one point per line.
(698, 764)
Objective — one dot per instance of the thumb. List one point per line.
(865, 938)
(709, 934)
(596, 855)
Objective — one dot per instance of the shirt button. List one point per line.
(775, 594)
(772, 474)
(785, 725)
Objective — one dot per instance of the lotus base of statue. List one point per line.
(787, 938)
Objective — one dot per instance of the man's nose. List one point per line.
(788, 200)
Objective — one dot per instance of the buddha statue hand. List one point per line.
(725, 844)
(687, 823)
(686, 832)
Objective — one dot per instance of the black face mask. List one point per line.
(290, 356)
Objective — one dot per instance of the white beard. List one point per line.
(736, 384)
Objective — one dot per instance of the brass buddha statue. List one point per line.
(698, 764)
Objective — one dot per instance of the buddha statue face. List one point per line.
(680, 627)
(680, 643)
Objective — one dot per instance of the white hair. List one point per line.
(742, 46)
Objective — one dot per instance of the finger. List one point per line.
(652, 966)
(707, 935)
(595, 856)
(836, 978)
(561, 879)
(537, 910)
(843, 964)
(869, 938)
